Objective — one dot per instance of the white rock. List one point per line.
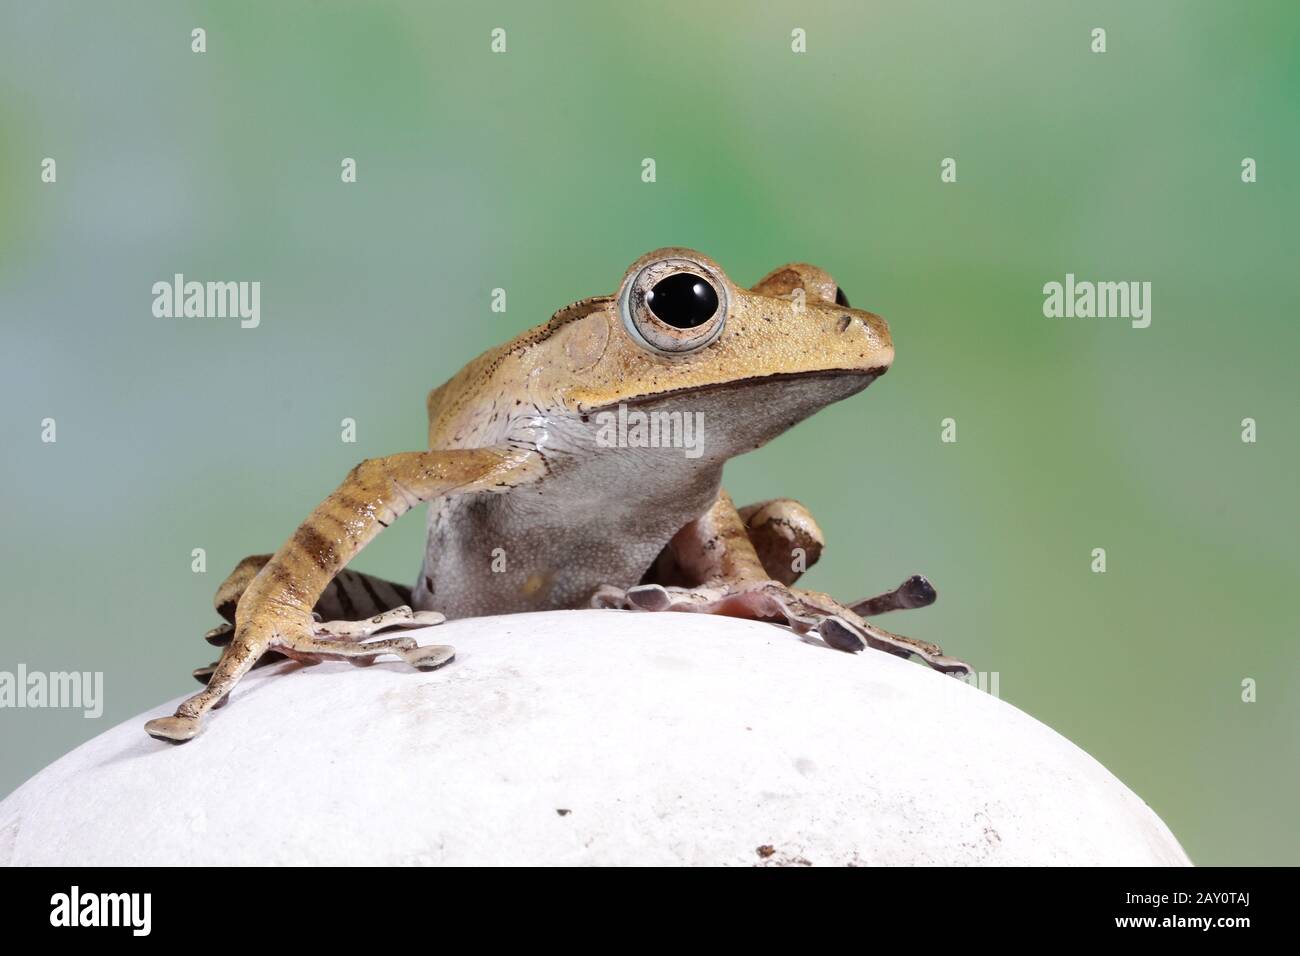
(601, 737)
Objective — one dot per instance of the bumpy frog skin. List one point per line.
(538, 501)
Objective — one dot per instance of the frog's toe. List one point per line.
(398, 617)
(430, 657)
(400, 646)
(841, 635)
(649, 597)
(657, 597)
(916, 591)
(643, 597)
(175, 729)
(220, 635)
(952, 667)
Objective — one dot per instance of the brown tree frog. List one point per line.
(579, 465)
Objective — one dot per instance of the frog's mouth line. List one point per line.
(870, 374)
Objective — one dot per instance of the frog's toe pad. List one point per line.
(220, 635)
(430, 657)
(174, 730)
(917, 591)
(649, 597)
(840, 635)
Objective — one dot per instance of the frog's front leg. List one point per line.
(713, 566)
(274, 613)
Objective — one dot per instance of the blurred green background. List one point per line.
(522, 170)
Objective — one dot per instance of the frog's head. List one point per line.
(680, 335)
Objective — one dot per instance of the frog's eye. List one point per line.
(841, 299)
(674, 305)
(683, 300)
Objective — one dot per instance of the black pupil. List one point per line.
(683, 300)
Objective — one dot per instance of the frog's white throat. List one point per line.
(712, 424)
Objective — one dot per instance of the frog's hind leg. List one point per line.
(785, 536)
(715, 568)
(788, 541)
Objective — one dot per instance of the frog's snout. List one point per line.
(863, 338)
(849, 321)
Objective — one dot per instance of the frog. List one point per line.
(541, 497)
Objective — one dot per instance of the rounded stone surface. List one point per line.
(592, 737)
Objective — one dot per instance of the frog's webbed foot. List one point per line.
(804, 612)
(309, 641)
